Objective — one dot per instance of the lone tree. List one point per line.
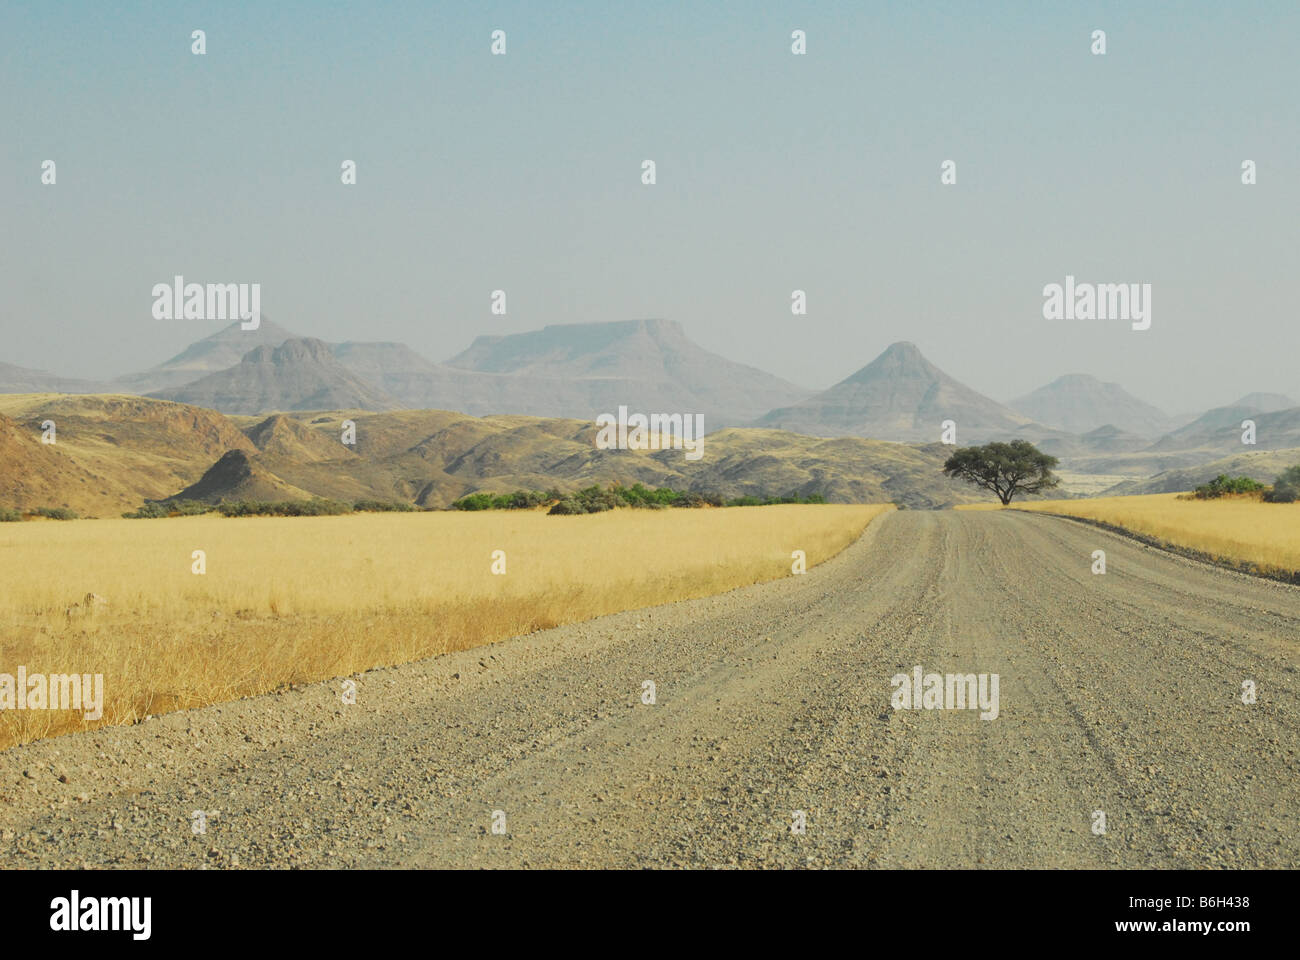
(1004, 468)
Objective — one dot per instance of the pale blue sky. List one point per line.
(775, 172)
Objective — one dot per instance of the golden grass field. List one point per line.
(1238, 529)
(296, 599)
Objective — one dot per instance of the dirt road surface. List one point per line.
(1119, 693)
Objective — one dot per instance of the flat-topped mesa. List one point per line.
(558, 343)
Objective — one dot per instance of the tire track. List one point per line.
(1119, 692)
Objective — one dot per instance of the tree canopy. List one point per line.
(1004, 468)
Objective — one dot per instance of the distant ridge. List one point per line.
(1220, 430)
(563, 370)
(584, 369)
(1262, 465)
(1267, 402)
(899, 396)
(300, 374)
(1108, 439)
(22, 380)
(222, 350)
(1079, 403)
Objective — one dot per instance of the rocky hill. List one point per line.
(114, 452)
(900, 396)
(300, 374)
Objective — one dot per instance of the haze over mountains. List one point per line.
(221, 351)
(1079, 403)
(22, 380)
(644, 364)
(898, 396)
(573, 370)
(1221, 430)
(298, 374)
(1266, 402)
(578, 371)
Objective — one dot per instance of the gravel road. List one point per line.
(1119, 693)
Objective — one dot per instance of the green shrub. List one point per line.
(317, 507)
(519, 500)
(191, 508)
(1224, 484)
(56, 513)
(751, 501)
(639, 495)
(567, 507)
(156, 509)
(475, 501)
(383, 506)
(1286, 488)
(595, 499)
(9, 516)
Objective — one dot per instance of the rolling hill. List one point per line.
(15, 379)
(111, 451)
(1263, 465)
(114, 452)
(434, 457)
(1105, 440)
(39, 475)
(1220, 430)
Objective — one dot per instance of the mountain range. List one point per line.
(114, 452)
(221, 351)
(575, 372)
(298, 374)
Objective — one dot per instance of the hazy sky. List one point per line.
(775, 172)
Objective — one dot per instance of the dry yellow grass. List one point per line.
(291, 600)
(1241, 530)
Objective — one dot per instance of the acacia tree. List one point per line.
(1004, 468)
